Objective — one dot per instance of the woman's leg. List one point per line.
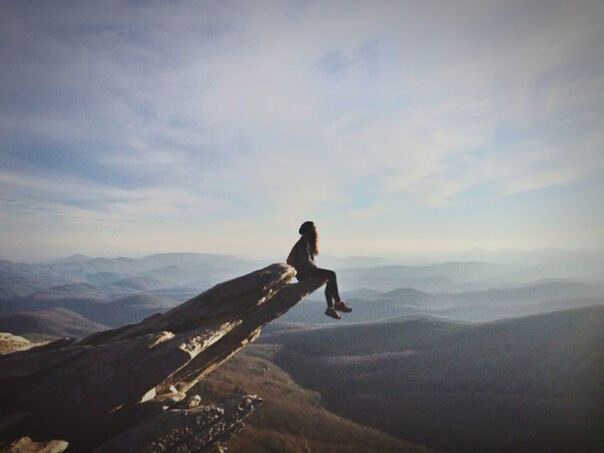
(331, 289)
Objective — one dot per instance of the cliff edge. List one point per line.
(126, 389)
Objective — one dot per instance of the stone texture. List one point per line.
(184, 430)
(26, 445)
(11, 343)
(128, 382)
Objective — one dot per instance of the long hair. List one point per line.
(313, 239)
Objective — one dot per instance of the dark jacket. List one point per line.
(301, 257)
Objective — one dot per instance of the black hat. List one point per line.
(306, 226)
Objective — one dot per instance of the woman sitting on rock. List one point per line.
(302, 258)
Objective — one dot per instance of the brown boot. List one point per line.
(332, 313)
(341, 306)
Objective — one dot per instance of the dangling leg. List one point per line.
(332, 285)
(332, 295)
(333, 281)
(328, 275)
(331, 289)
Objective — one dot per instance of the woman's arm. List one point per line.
(291, 258)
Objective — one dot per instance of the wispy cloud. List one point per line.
(253, 114)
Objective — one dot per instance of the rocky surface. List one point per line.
(126, 389)
(26, 445)
(11, 343)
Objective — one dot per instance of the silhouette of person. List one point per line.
(302, 258)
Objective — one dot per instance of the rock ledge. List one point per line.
(125, 389)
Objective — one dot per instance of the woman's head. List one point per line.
(309, 230)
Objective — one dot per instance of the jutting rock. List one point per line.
(126, 389)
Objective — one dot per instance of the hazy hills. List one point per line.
(58, 322)
(466, 272)
(292, 418)
(109, 308)
(115, 305)
(528, 384)
(19, 279)
(484, 305)
(115, 291)
(529, 265)
(442, 276)
(197, 270)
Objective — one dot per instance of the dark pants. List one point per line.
(331, 289)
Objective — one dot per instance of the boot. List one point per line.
(332, 313)
(341, 306)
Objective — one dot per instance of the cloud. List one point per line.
(230, 111)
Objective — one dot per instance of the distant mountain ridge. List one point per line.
(479, 306)
(104, 307)
(201, 270)
(93, 287)
(56, 322)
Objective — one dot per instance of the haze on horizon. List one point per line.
(129, 128)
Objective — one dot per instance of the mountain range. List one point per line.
(455, 356)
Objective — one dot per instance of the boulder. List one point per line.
(26, 445)
(11, 343)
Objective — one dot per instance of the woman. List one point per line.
(302, 258)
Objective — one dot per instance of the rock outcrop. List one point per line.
(11, 343)
(26, 445)
(126, 389)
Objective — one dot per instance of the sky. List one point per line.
(131, 127)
